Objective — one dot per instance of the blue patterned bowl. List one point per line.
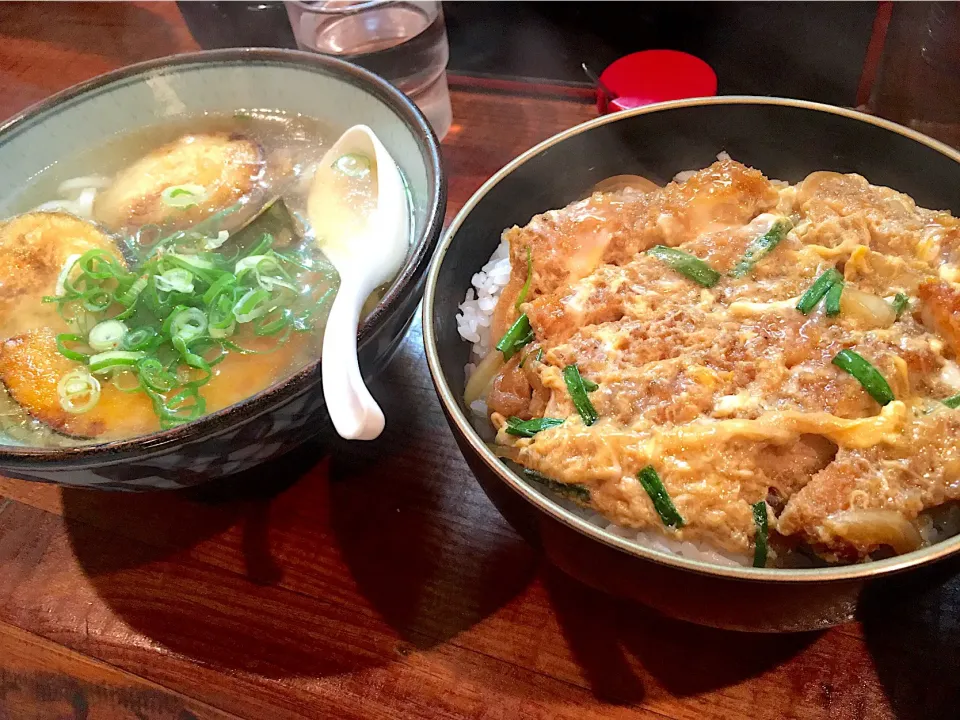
(222, 81)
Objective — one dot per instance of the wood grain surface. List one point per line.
(376, 580)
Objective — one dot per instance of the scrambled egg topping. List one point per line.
(729, 391)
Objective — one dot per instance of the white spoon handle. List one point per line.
(354, 412)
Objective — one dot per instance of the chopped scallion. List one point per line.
(760, 537)
(662, 503)
(589, 385)
(866, 374)
(686, 264)
(529, 428)
(900, 303)
(574, 491)
(832, 302)
(952, 402)
(762, 246)
(519, 334)
(578, 394)
(522, 297)
(818, 290)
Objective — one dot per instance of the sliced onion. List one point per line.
(78, 391)
(870, 310)
(76, 186)
(107, 335)
(620, 182)
(480, 381)
(183, 196)
(866, 528)
(177, 279)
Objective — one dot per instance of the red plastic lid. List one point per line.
(652, 76)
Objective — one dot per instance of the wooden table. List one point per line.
(376, 581)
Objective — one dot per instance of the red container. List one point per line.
(652, 76)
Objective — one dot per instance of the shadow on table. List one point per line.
(336, 557)
(911, 628)
(618, 643)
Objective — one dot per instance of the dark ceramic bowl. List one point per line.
(785, 139)
(224, 81)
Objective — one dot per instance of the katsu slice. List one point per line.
(33, 250)
(870, 498)
(31, 368)
(183, 182)
(940, 311)
(569, 244)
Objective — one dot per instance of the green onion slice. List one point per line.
(529, 428)
(154, 376)
(589, 385)
(140, 339)
(832, 302)
(102, 362)
(107, 335)
(519, 334)
(686, 264)
(662, 503)
(578, 393)
(762, 246)
(760, 538)
(69, 353)
(952, 402)
(183, 196)
(900, 303)
(812, 297)
(78, 391)
(866, 374)
(574, 491)
(353, 164)
(522, 297)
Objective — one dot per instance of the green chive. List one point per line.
(819, 288)
(63, 339)
(589, 385)
(539, 356)
(578, 393)
(760, 539)
(866, 374)
(686, 264)
(900, 303)
(662, 503)
(762, 246)
(952, 402)
(519, 334)
(574, 491)
(522, 297)
(832, 302)
(529, 428)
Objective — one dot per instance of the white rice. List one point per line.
(476, 310)
(473, 324)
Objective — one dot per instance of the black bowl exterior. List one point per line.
(280, 418)
(786, 140)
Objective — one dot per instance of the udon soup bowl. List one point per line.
(225, 81)
(785, 139)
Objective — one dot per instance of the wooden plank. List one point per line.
(40, 679)
(252, 650)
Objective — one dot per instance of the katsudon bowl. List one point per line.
(784, 139)
(312, 99)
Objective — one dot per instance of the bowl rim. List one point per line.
(462, 426)
(113, 452)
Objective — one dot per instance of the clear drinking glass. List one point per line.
(403, 42)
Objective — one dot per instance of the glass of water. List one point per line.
(403, 42)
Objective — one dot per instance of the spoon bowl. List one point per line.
(359, 212)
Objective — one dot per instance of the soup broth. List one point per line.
(167, 274)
